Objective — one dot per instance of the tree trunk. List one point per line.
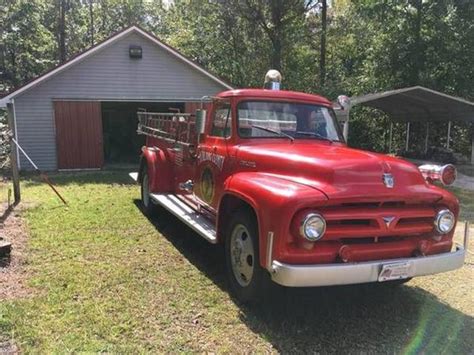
(322, 58)
(276, 53)
(14, 79)
(91, 16)
(417, 50)
(276, 31)
(62, 31)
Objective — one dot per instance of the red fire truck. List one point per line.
(267, 173)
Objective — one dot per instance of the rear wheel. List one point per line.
(246, 277)
(147, 204)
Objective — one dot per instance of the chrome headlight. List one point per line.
(313, 227)
(444, 221)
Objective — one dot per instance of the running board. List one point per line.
(186, 214)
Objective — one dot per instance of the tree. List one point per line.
(61, 33)
(26, 45)
(322, 60)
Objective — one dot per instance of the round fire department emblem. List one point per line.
(207, 185)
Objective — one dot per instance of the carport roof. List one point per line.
(418, 103)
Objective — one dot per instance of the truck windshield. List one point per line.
(280, 119)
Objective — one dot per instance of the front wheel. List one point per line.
(246, 277)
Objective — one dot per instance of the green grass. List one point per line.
(466, 200)
(105, 278)
(466, 169)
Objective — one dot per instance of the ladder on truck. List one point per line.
(176, 129)
(170, 127)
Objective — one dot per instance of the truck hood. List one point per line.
(341, 173)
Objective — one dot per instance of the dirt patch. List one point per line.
(8, 347)
(12, 270)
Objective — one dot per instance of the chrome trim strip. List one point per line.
(270, 251)
(355, 273)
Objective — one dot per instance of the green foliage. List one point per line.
(372, 45)
(25, 42)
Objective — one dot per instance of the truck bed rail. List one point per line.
(170, 127)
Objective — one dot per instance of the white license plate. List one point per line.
(395, 271)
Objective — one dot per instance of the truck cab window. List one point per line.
(269, 119)
(221, 122)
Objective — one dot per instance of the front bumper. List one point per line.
(363, 272)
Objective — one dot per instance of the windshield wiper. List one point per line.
(313, 134)
(280, 133)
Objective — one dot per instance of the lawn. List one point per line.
(104, 278)
(466, 198)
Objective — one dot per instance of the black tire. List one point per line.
(245, 289)
(147, 204)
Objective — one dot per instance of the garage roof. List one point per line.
(418, 103)
(80, 57)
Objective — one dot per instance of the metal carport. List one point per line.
(420, 104)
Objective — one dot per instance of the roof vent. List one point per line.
(272, 80)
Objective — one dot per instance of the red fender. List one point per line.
(159, 169)
(275, 202)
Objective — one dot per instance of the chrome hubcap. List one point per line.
(242, 255)
(146, 191)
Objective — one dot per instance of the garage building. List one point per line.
(82, 114)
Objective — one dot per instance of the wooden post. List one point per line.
(13, 156)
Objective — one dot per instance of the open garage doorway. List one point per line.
(122, 144)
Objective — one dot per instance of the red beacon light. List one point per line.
(446, 174)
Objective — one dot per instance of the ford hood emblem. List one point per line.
(388, 180)
(388, 220)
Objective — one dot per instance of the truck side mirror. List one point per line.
(201, 116)
(344, 102)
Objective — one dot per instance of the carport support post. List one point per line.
(427, 136)
(472, 145)
(390, 138)
(345, 130)
(408, 137)
(13, 156)
(449, 135)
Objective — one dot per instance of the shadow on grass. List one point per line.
(360, 318)
(106, 177)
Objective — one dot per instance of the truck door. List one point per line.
(213, 165)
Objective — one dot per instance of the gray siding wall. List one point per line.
(108, 74)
